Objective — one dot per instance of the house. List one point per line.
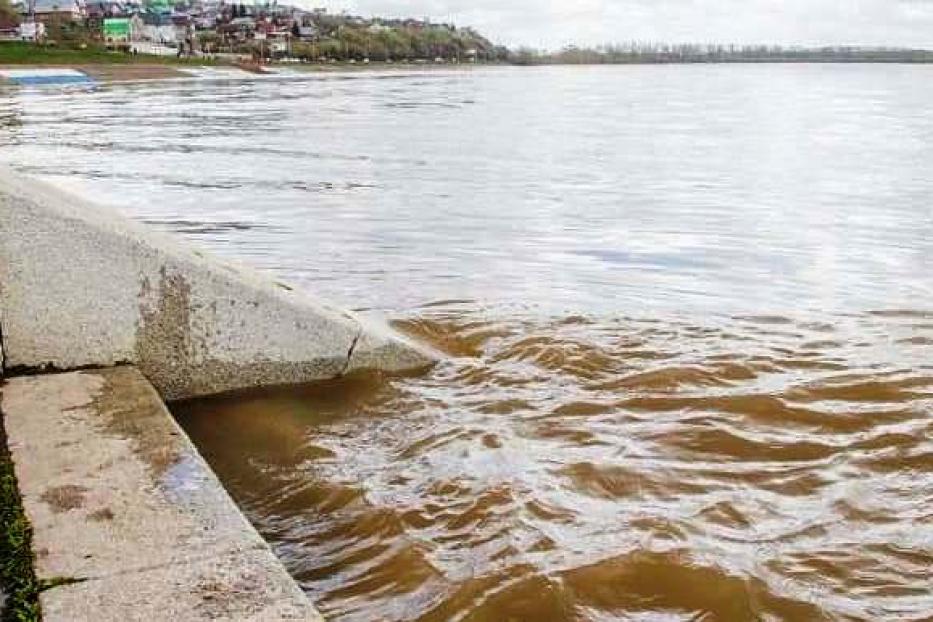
(104, 8)
(158, 28)
(31, 31)
(159, 6)
(184, 28)
(59, 10)
(206, 19)
(118, 31)
(238, 29)
(96, 12)
(277, 41)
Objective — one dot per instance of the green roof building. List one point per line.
(116, 29)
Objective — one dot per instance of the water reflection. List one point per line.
(712, 189)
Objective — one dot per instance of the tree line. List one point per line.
(642, 53)
(399, 43)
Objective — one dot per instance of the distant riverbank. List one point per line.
(121, 66)
(108, 66)
(637, 54)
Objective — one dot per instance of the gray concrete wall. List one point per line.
(80, 285)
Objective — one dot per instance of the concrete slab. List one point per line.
(229, 587)
(82, 286)
(119, 499)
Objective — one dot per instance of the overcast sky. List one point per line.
(554, 23)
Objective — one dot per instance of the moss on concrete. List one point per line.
(17, 574)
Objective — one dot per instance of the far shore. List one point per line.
(120, 69)
(113, 67)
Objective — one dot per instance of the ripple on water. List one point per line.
(757, 448)
(544, 472)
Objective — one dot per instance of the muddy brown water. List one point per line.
(687, 314)
(760, 468)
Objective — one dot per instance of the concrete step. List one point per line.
(126, 511)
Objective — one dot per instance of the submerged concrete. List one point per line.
(126, 515)
(82, 286)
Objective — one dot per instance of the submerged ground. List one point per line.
(689, 313)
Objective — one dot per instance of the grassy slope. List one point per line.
(18, 53)
(17, 577)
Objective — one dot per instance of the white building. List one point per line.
(62, 9)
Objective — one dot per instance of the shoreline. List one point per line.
(115, 72)
(143, 71)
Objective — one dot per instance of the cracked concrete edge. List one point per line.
(215, 589)
(83, 286)
(399, 354)
(120, 500)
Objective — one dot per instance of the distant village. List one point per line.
(217, 28)
(259, 31)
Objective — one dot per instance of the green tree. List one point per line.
(209, 41)
(330, 48)
(67, 33)
(525, 56)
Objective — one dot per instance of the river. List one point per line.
(687, 313)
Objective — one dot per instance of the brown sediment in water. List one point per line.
(590, 469)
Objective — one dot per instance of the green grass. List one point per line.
(20, 53)
(17, 574)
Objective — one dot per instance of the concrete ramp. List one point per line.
(81, 286)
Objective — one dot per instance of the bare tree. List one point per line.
(8, 15)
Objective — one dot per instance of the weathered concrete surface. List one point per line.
(121, 501)
(82, 286)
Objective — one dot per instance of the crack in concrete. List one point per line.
(220, 553)
(2, 353)
(356, 340)
(50, 369)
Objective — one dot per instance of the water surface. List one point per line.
(688, 313)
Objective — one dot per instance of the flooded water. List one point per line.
(687, 312)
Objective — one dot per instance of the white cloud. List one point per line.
(553, 23)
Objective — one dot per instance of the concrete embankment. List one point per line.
(129, 522)
(127, 518)
(82, 286)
